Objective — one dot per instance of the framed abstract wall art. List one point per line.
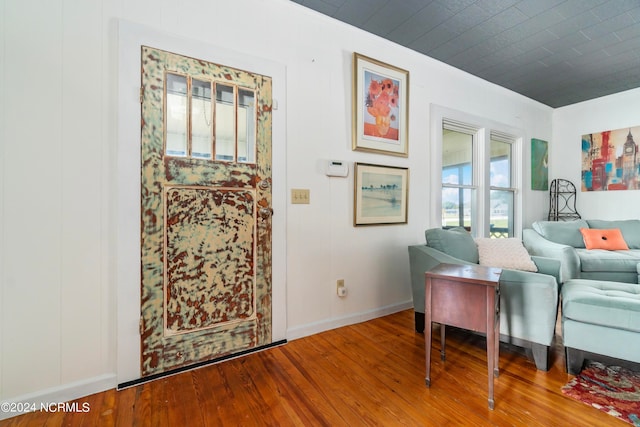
(539, 164)
(380, 107)
(610, 160)
(380, 194)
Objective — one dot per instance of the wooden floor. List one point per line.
(371, 373)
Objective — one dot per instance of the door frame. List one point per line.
(127, 182)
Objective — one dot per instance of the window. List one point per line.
(478, 174)
(501, 193)
(458, 183)
(196, 127)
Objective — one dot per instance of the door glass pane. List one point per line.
(457, 157)
(176, 115)
(201, 119)
(246, 126)
(500, 164)
(457, 205)
(501, 214)
(225, 123)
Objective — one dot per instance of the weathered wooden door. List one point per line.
(206, 211)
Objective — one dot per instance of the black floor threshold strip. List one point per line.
(139, 381)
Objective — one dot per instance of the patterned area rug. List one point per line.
(611, 389)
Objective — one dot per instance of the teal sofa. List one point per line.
(563, 241)
(528, 301)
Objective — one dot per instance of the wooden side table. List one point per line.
(467, 297)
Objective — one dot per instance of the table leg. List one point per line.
(496, 326)
(442, 341)
(427, 330)
(491, 342)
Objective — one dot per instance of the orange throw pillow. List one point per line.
(608, 239)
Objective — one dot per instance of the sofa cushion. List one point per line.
(456, 242)
(563, 232)
(504, 253)
(603, 260)
(609, 239)
(610, 304)
(630, 229)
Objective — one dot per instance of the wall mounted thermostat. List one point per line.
(337, 168)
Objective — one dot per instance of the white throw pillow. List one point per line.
(504, 253)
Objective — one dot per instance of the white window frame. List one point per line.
(481, 129)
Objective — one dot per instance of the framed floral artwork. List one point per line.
(380, 107)
(380, 194)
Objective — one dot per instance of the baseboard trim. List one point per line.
(61, 394)
(326, 325)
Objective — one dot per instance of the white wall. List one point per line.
(569, 124)
(59, 185)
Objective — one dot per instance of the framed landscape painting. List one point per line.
(380, 107)
(380, 194)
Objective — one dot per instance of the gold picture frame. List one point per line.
(380, 107)
(380, 194)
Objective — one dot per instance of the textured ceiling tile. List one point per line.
(558, 58)
(486, 46)
(467, 57)
(613, 8)
(594, 61)
(357, 13)
(506, 19)
(532, 27)
(421, 22)
(567, 42)
(603, 42)
(532, 71)
(450, 49)
(498, 44)
(391, 16)
(501, 55)
(630, 32)
(536, 40)
(434, 38)
(456, 5)
(469, 18)
(535, 55)
(496, 6)
(615, 23)
(572, 8)
(625, 47)
(477, 66)
(450, 30)
(575, 24)
(635, 13)
(535, 7)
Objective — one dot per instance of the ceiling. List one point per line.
(557, 52)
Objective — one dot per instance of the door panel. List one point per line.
(206, 211)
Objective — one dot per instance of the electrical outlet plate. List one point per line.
(341, 290)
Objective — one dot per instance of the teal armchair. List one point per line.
(528, 301)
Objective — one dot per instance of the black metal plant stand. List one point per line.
(562, 201)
